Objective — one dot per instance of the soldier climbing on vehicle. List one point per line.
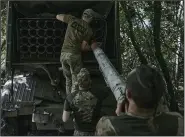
(144, 90)
(77, 38)
(84, 105)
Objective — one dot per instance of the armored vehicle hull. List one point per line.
(33, 104)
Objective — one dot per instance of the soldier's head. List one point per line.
(84, 79)
(88, 15)
(145, 87)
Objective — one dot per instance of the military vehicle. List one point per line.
(33, 104)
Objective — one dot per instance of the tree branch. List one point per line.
(131, 33)
(159, 56)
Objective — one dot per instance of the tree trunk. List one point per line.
(131, 33)
(159, 56)
(180, 74)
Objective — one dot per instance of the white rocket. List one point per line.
(110, 74)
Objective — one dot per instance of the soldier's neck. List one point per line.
(135, 111)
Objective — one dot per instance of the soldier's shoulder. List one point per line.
(180, 118)
(71, 96)
(105, 127)
(174, 114)
(107, 119)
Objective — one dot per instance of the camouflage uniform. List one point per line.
(85, 107)
(77, 31)
(164, 124)
(71, 65)
(78, 133)
(147, 86)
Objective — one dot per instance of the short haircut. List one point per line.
(146, 85)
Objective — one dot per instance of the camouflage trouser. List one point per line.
(80, 133)
(71, 65)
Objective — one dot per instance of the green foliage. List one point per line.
(3, 33)
(142, 19)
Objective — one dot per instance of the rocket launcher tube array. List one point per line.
(38, 38)
(110, 74)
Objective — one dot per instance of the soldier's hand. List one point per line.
(94, 45)
(121, 107)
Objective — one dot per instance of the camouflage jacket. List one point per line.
(77, 31)
(168, 124)
(86, 109)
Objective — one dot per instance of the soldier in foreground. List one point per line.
(84, 105)
(144, 89)
(77, 38)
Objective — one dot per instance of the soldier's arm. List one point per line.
(104, 128)
(65, 18)
(65, 116)
(180, 131)
(89, 41)
(66, 112)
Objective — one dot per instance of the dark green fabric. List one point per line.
(165, 125)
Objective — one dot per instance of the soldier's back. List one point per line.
(86, 108)
(164, 124)
(77, 31)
